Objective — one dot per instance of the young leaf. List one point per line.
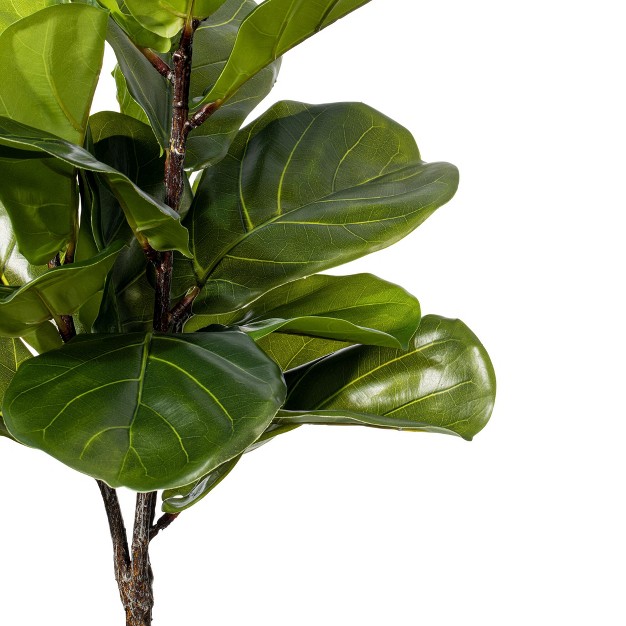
(360, 309)
(444, 383)
(272, 29)
(150, 220)
(142, 410)
(147, 88)
(303, 189)
(167, 18)
(56, 87)
(60, 291)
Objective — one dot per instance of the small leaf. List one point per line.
(60, 291)
(359, 309)
(146, 87)
(143, 410)
(168, 17)
(272, 29)
(136, 32)
(149, 219)
(303, 189)
(444, 383)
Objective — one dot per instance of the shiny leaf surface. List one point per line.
(272, 29)
(167, 18)
(149, 219)
(444, 383)
(303, 189)
(55, 56)
(146, 87)
(60, 291)
(12, 353)
(360, 309)
(143, 410)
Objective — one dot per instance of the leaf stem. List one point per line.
(179, 314)
(158, 63)
(162, 523)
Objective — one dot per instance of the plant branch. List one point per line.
(162, 523)
(182, 310)
(158, 63)
(202, 115)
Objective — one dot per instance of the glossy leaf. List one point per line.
(290, 350)
(15, 10)
(303, 189)
(12, 353)
(54, 55)
(149, 219)
(146, 87)
(143, 410)
(167, 18)
(182, 498)
(444, 383)
(213, 44)
(137, 33)
(44, 338)
(360, 309)
(272, 29)
(60, 291)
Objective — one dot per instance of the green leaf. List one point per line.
(60, 291)
(272, 29)
(143, 410)
(14, 268)
(166, 18)
(12, 353)
(44, 338)
(146, 87)
(15, 10)
(303, 189)
(54, 55)
(360, 309)
(181, 498)
(137, 33)
(290, 351)
(150, 219)
(213, 44)
(444, 383)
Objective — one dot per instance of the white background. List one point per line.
(525, 525)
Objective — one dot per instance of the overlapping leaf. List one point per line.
(167, 18)
(54, 55)
(444, 383)
(150, 220)
(143, 410)
(303, 189)
(12, 353)
(61, 291)
(359, 309)
(11, 12)
(272, 29)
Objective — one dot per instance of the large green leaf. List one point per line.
(15, 10)
(303, 189)
(60, 291)
(166, 18)
(143, 410)
(213, 43)
(360, 309)
(290, 351)
(272, 29)
(137, 33)
(49, 67)
(147, 88)
(444, 383)
(150, 219)
(12, 353)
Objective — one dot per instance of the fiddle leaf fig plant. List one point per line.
(162, 310)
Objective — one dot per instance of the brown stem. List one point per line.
(158, 63)
(180, 313)
(162, 523)
(203, 114)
